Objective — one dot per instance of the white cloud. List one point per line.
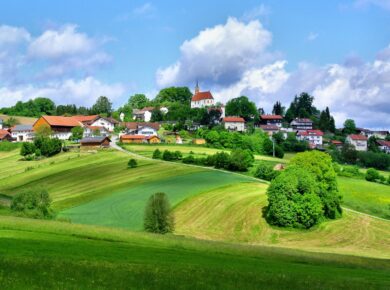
(220, 54)
(256, 12)
(80, 92)
(312, 36)
(145, 9)
(10, 35)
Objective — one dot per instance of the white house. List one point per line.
(384, 146)
(270, 129)
(302, 124)
(1, 123)
(201, 99)
(107, 123)
(91, 131)
(142, 128)
(275, 120)
(22, 133)
(357, 140)
(234, 124)
(314, 137)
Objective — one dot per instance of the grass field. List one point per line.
(51, 255)
(21, 120)
(234, 214)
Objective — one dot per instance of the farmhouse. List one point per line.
(275, 120)
(1, 123)
(97, 121)
(384, 146)
(22, 133)
(270, 129)
(338, 144)
(139, 139)
(201, 99)
(145, 114)
(302, 124)
(95, 142)
(314, 137)
(234, 124)
(357, 140)
(60, 126)
(90, 131)
(5, 135)
(141, 128)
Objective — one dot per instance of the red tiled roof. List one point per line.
(133, 137)
(271, 117)
(383, 143)
(234, 119)
(358, 137)
(336, 142)
(3, 133)
(82, 118)
(202, 96)
(310, 133)
(61, 121)
(269, 127)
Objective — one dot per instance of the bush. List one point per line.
(220, 160)
(240, 160)
(320, 164)
(189, 159)
(157, 154)
(167, 155)
(293, 199)
(32, 203)
(350, 171)
(48, 146)
(27, 149)
(158, 216)
(373, 175)
(265, 171)
(132, 163)
(379, 161)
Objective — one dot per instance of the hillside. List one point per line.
(21, 120)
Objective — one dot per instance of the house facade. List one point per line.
(61, 127)
(302, 124)
(384, 146)
(313, 137)
(201, 99)
(357, 140)
(90, 131)
(275, 120)
(234, 124)
(270, 129)
(142, 128)
(102, 141)
(140, 139)
(22, 133)
(1, 123)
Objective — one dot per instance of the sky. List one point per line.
(76, 51)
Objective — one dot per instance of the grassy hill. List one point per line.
(21, 120)
(52, 255)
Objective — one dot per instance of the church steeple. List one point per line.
(197, 88)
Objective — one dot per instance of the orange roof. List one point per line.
(3, 133)
(202, 96)
(336, 142)
(82, 118)
(234, 119)
(96, 127)
(358, 137)
(133, 137)
(271, 117)
(310, 133)
(61, 121)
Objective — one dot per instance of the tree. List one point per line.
(157, 154)
(33, 202)
(77, 133)
(372, 144)
(27, 149)
(158, 216)
(45, 105)
(293, 199)
(11, 122)
(132, 163)
(241, 107)
(301, 107)
(265, 171)
(138, 101)
(174, 95)
(102, 106)
(320, 165)
(43, 131)
(372, 175)
(349, 154)
(240, 160)
(349, 127)
(157, 115)
(278, 109)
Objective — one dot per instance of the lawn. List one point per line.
(53, 255)
(21, 120)
(234, 214)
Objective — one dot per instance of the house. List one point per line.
(338, 144)
(302, 124)
(366, 132)
(357, 140)
(313, 137)
(145, 114)
(380, 134)
(269, 129)
(139, 139)
(90, 131)
(102, 141)
(5, 136)
(199, 141)
(22, 133)
(141, 128)
(384, 146)
(97, 121)
(61, 127)
(234, 123)
(201, 99)
(271, 120)
(1, 123)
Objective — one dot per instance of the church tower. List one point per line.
(197, 88)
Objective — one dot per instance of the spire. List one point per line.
(197, 87)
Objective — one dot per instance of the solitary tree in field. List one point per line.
(77, 133)
(158, 215)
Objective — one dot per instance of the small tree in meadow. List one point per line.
(157, 154)
(33, 202)
(158, 216)
(132, 163)
(77, 133)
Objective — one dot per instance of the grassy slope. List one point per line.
(52, 255)
(22, 120)
(234, 214)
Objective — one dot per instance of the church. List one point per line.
(201, 99)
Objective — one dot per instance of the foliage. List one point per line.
(349, 127)
(350, 171)
(378, 160)
(157, 115)
(268, 148)
(8, 146)
(33, 202)
(265, 171)
(102, 106)
(132, 163)
(372, 144)
(27, 149)
(171, 156)
(349, 154)
(174, 95)
(278, 109)
(241, 107)
(31, 108)
(373, 175)
(138, 101)
(11, 122)
(48, 146)
(291, 144)
(43, 131)
(320, 164)
(293, 199)
(157, 154)
(326, 122)
(159, 216)
(77, 133)
(301, 107)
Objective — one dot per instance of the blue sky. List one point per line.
(75, 51)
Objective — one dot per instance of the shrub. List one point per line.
(33, 203)
(293, 199)
(240, 160)
(167, 155)
(48, 146)
(132, 163)
(320, 164)
(220, 160)
(157, 154)
(190, 159)
(373, 175)
(379, 161)
(265, 171)
(177, 155)
(158, 216)
(350, 171)
(27, 149)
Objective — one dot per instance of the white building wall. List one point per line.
(104, 123)
(360, 145)
(236, 126)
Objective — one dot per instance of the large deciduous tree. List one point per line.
(138, 101)
(241, 107)
(174, 95)
(349, 126)
(158, 216)
(102, 106)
